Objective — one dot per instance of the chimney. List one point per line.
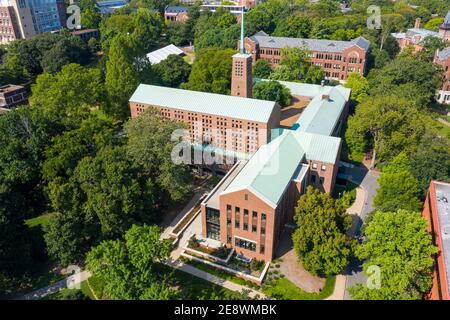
(325, 97)
(417, 24)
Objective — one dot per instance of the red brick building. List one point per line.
(176, 13)
(337, 58)
(443, 58)
(249, 208)
(235, 124)
(437, 212)
(12, 96)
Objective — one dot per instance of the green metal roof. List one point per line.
(208, 103)
(270, 170)
(321, 116)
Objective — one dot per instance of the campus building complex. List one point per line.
(272, 165)
(337, 58)
(437, 212)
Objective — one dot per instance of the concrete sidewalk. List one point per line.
(177, 264)
(69, 282)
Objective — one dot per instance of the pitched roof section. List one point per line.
(447, 20)
(176, 9)
(208, 103)
(312, 90)
(444, 54)
(161, 54)
(322, 45)
(270, 170)
(321, 115)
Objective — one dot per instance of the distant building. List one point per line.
(109, 6)
(234, 9)
(338, 59)
(443, 58)
(23, 19)
(45, 15)
(444, 28)
(437, 212)
(415, 36)
(161, 54)
(176, 13)
(86, 34)
(12, 96)
(9, 26)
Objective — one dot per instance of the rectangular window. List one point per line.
(263, 217)
(245, 213)
(236, 224)
(213, 223)
(245, 226)
(323, 168)
(241, 243)
(263, 231)
(254, 228)
(314, 165)
(261, 249)
(246, 197)
(313, 178)
(254, 214)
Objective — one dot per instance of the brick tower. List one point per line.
(241, 77)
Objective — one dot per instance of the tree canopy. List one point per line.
(399, 245)
(320, 239)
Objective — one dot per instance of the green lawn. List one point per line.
(349, 188)
(40, 221)
(283, 289)
(97, 284)
(443, 129)
(193, 287)
(42, 274)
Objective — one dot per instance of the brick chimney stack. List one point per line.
(417, 24)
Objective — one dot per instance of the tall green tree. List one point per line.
(272, 91)
(211, 71)
(128, 267)
(121, 76)
(172, 71)
(320, 240)
(388, 124)
(262, 69)
(150, 148)
(431, 161)
(67, 96)
(359, 86)
(399, 245)
(399, 189)
(295, 66)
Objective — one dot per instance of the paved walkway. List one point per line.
(367, 180)
(444, 122)
(292, 269)
(339, 288)
(69, 282)
(177, 264)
